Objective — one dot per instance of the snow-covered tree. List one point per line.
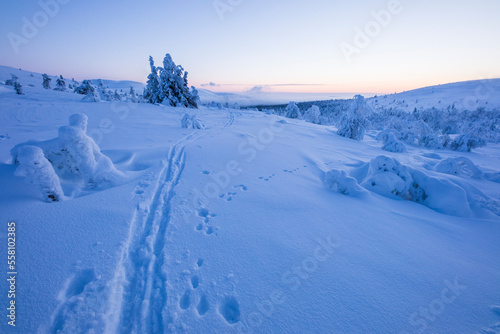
(312, 115)
(194, 98)
(169, 85)
(10, 82)
(353, 123)
(292, 110)
(85, 87)
(46, 81)
(18, 88)
(116, 96)
(60, 84)
(152, 90)
(90, 91)
(466, 142)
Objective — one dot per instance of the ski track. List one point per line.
(138, 293)
(231, 119)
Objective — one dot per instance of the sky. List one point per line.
(310, 46)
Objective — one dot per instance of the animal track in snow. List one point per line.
(264, 178)
(230, 195)
(229, 308)
(207, 216)
(185, 300)
(203, 305)
(195, 281)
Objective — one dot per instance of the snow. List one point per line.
(255, 224)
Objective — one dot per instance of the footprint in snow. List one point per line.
(230, 195)
(207, 217)
(266, 178)
(229, 308)
(140, 188)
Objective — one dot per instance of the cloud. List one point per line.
(210, 84)
(259, 89)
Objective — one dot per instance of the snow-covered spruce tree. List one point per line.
(116, 96)
(46, 81)
(10, 82)
(194, 99)
(152, 90)
(85, 87)
(292, 110)
(60, 84)
(33, 165)
(312, 115)
(353, 123)
(174, 89)
(14, 81)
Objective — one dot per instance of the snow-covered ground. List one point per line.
(233, 228)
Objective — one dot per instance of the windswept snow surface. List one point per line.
(232, 229)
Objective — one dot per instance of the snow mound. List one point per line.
(33, 165)
(460, 166)
(391, 142)
(73, 154)
(339, 181)
(389, 178)
(191, 122)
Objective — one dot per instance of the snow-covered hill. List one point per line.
(468, 95)
(233, 229)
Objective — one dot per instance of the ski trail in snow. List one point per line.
(138, 293)
(230, 121)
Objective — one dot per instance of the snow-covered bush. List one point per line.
(85, 88)
(387, 177)
(353, 124)
(431, 140)
(390, 140)
(46, 81)
(90, 91)
(460, 166)
(465, 143)
(18, 88)
(339, 181)
(292, 111)
(312, 115)
(12, 80)
(33, 165)
(394, 145)
(74, 154)
(191, 122)
(60, 84)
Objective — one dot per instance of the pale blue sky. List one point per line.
(261, 43)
